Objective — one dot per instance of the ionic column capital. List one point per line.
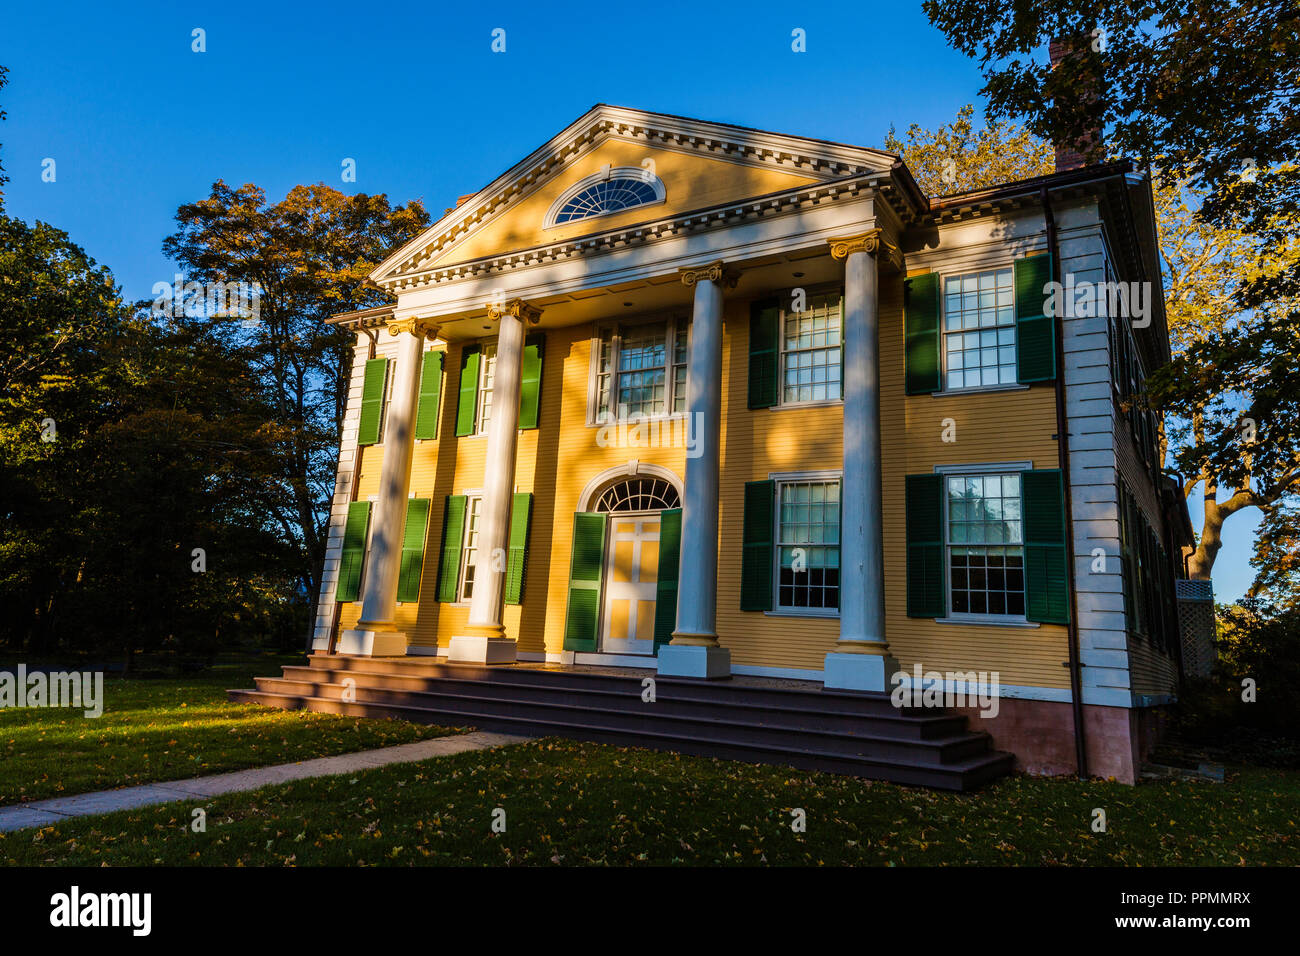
(420, 327)
(515, 307)
(872, 242)
(716, 272)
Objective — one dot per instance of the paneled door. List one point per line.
(631, 572)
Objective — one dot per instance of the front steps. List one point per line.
(859, 734)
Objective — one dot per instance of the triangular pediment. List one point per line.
(697, 164)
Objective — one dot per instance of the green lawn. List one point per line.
(156, 729)
(575, 804)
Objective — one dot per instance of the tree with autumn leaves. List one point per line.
(310, 255)
(178, 468)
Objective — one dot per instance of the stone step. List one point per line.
(912, 768)
(673, 698)
(814, 697)
(722, 723)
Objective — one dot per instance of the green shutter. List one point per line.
(530, 382)
(921, 365)
(1035, 329)
(372, 401)
(467, 406)
(453, 534)
(426, 415)
(521, 513)
(582, 618)
(670, 553)
(924, 515)
(756, 553)
(354, 552)
(1047, 591)
(412, 562)
(764, 349)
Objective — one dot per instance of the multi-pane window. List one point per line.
(986, 555)
(679, 368)
(613, 195)
(486, 378)
(469, 550)
(808, 544)
(810, 351)
(979, 329)
(641, 370)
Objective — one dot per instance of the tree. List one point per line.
(1210, 88)
(125, 444)
(310, 255)
(957, 158)
(1233, 413)
(56, 308)
(1277, 559)
(172, 530)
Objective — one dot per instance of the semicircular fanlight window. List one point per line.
(611, 195)
(639, 494)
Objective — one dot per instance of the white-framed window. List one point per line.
(469, 548)
(487, 372)
(639, 370)
(984, 533)
(979, 329)
(609, 191)
(811, 343)
(808, 544)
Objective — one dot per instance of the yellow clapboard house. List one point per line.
(722, 404)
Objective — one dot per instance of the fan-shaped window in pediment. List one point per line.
(607, 192)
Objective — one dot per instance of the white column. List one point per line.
(694, 649)
(485, 640)
(376, 634)
(861, 659)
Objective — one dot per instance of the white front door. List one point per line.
(631, 573)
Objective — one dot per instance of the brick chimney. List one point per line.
(1087, 149)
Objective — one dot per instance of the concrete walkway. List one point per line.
(45, 812)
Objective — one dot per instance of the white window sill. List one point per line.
(824, 613)
(783, 406)
(633, 422)
(995, 620)
(1018, 387)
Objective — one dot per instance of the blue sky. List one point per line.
(137, 123)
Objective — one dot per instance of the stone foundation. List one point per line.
(1041, 735)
